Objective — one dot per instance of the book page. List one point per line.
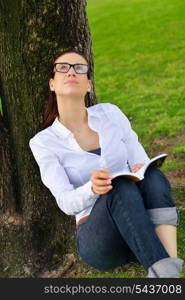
(156, 161)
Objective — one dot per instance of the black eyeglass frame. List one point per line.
(71, 65)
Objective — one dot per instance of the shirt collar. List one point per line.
(63, 131)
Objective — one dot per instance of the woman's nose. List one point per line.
(71, 71)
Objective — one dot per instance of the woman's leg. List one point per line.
(99, 242)
(126, 206)
(156, 191)
(119, 215)
(168, 237)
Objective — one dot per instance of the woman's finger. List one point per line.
(104, 174)
(102, 190)
(101, 182)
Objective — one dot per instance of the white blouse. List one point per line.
(65, 168)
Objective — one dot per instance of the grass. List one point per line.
(139, 51)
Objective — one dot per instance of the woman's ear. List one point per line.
(51, 84)
(89, 87)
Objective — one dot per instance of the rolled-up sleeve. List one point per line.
(136, 152)
(69, 199)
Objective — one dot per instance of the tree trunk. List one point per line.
(34, 232)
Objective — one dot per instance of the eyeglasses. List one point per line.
(64, 68)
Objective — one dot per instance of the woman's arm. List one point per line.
(136, 152)
(70, 200)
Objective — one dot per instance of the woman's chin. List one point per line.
(72, 93)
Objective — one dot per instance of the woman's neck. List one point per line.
(72, 114)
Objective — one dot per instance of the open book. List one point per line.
(157, 161)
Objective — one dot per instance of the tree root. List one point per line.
(69, 260)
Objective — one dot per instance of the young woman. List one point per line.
(117, 220)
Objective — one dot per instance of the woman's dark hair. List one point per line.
(51, 110)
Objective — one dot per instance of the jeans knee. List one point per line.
(155, 189)
(157, 178)
(124, 191)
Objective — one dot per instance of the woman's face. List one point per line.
(70, 83)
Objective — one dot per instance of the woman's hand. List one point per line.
(101, 181)
(136, 167)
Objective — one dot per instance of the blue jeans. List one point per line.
(120, 227)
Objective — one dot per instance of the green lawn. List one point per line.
(139, 51)
(139, 56)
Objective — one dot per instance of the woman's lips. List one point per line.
(71, 81)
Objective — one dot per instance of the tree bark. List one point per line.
(35, 234)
